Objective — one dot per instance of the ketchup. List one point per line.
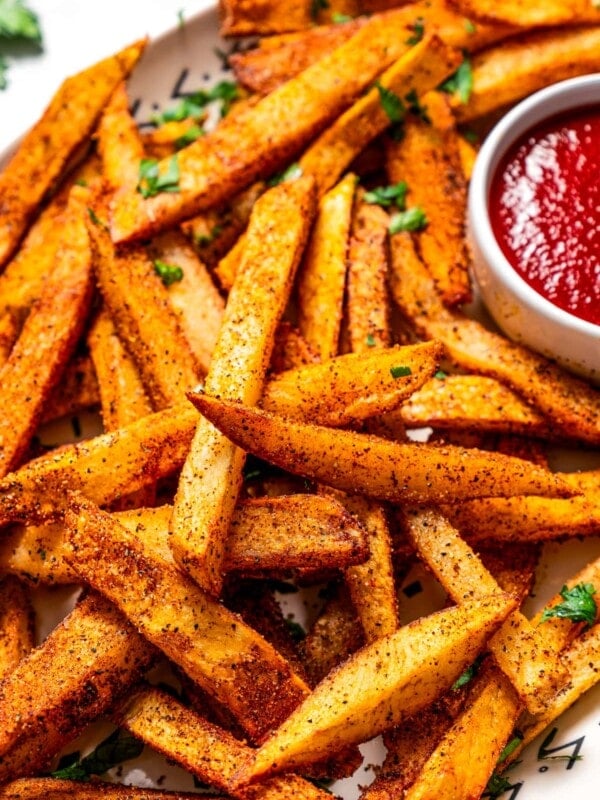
(544, 207)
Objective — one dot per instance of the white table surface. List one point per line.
(77, 33)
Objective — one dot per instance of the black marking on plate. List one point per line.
(545, 751)
(413, 589)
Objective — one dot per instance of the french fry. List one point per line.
(215, 167)
(263, 17)
(16, 624)
(44, 151)
(55, 789)
(291, 350)
(571, 405)
(428, 160)
(363, 464)
(407, 670)
(511, 71)
(530, 15)
(212, 473)
(119, 144)
(351, 388)
(78, 390)
(212, 645)
(147, 325)
(76, 674)
(226, 269)
(322, 274)
(420, 69)
(45, 343)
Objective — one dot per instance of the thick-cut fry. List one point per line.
(16, 624)
(530, 15)
(194, 298)
(349, 389)
(467, 402)
(212, 645)
(422, 68)
(119, 143)
(46, 342)
(511, 71)
(44, 151)
(263, 17)
(212, 473)
(147, 325)
(56, 789)
(322, 275)
(76, 674)
(383, 470)
(78, 390)
(215, 167)
(571, 405)
(406, 671)
(428, 160)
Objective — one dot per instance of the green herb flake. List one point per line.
(415, 107)
(3, 71)
(96, 219)
(470, 27)
(291, 173)
(413, 219)
(339, 19)
(466, 677)
(471, 136)
(578, 605)
(370, 341)
(510, 748)
(394, 194)
(400, 372)
(316, 6)
(17, 21)
(391, 103)
(168, 273)
(193, 132)
(461, 82)
(296, 630)
(203, 239)
(151, 182)
(496, 786)
(181, 18)
(418, 31)
(441, 375)
(118, 747)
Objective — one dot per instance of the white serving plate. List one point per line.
(185, 59)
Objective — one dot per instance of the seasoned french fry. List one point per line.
(44, 345)
(147, 325)
(76, 674)
(212, 473)
(16, 624)
(212, 645)
(119, 144)
(322, 274)
(44, 151)
(78, 390)
(530, 15)
(263, 17)
(407, 670)
(571, 405)
(511, 71)
(291, 350)
(417, 71)
(55, 789)
(383, 470)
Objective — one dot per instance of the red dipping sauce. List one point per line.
(544, 208)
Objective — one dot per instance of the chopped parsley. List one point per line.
(470, 26)
(400, 372)
(151, 182)
(119, 746)
(96, 219)
(510, 748)
(418, 30)
(296, 630)
(288, 174)
(168, 273)
(441, 375)
(3, 70)
(413, 219)
(394, 194)
(391, 103)
(193, 132)
(17, 23)
(578, 605)
(370, 341)
(466, 677)
(316, 6)
(496, 786)
(415, 107)
(192, 106)
(339, 19)
(470, 135)
(460, 82)
(203, 239)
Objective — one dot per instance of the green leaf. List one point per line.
(289, 174)
(168, 273)
(413, 219)
(96, 219)
(202, 240)
(394, 194)
(400, 372)
(470, 27)
(391, 103)
(415, 107)
(418, 30)
(3, 71)
(193, 132)
(118, 747)
(510, 748)
(151, 182)
(578, 605)
(370, 340)
(496, 786)
(17, 21)
(187, 108)
(440, 375)
(461, 82)
(339, 19)
(466, 677)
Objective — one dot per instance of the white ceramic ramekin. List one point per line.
(522, 313)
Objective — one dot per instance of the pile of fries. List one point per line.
(264, 312)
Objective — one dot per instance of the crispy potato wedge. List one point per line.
(119, 144)
(407, 670)
(55, 789)
(45, 344)
(44, 151)
(380, 469)
(508, 72)
(571, 405)
(212, 473)
(322, 274)
(212, 645)
(351, 388)
(78, 390)
(76, 674)
(16, 624)
(530, 15)
(139, 305)
(263, 17)
(219, 165)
